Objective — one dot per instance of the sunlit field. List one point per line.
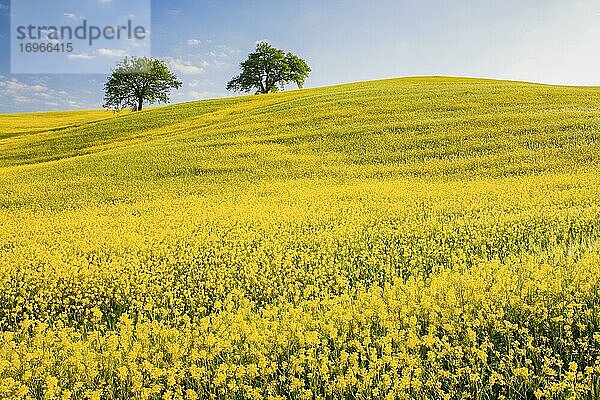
(14, 124)
(426, 238)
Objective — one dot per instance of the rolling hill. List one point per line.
(406, 238)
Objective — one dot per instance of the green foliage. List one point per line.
(137, 80)
(269, 69)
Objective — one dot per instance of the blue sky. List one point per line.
(203, 41)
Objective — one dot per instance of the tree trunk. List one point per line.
(267, 89)
(140, 104)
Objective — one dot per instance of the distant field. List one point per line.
(421, 238)
(14, 124)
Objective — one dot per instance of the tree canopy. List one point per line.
(139, 80)
(269, 69)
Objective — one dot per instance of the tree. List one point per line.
(268, 69)
(136, 80)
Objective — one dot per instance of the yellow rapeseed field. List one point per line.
(424, 238)
(14, 124)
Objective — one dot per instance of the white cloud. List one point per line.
(220, 54)
(194, 95)
(34, 95)
(46, 36)
(81, 56)
(197, 83)
(3, 7)
(21, 92)
(194, 42)
(112, 52)
(75, 104)
(15, 87)
(71, 16)
(201, 95)
(104, 1)
(137, 44)
(185, 67)
(220, 57)
(226, 50)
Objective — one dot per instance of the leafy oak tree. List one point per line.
(139, 80)
(268, 69)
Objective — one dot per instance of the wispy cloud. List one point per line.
(36, 95)
(3, 7)
(194, 42)
(186, 67)
(71, 16)
(228, 51)
(194, 83)
(13, 87)
(197, 94)
(23, 93)
(81, 56)
(112, 52)
(223, 51)
(201, 95)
